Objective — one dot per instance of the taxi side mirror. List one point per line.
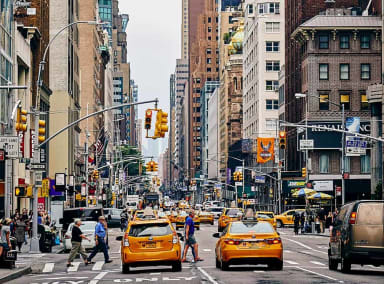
(278, 233)
(119, 238)
(109, 217)
(216, 235)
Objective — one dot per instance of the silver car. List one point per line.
(88, 229)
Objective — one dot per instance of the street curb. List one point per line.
(15, 275)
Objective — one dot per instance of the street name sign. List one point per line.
(40, 167)
(306, 144)
(10, 144)
(355, 146)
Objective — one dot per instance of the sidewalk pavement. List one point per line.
(7, 275)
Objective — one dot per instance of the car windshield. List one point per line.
(248, 227)
(88, 226)
(148, 230)
(215, 209)
(183, 213)
(205, 214)
(232, 212)
(265, 215)
(131, 204)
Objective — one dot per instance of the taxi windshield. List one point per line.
(148, 230)
(232, 212)
(183, 213)
(265, 215)
(245, 227)
(205, 214)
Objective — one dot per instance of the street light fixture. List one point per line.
(298, 95)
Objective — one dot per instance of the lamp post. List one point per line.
(342, 137)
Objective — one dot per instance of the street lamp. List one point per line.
(298, 95)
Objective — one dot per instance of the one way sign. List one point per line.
(36, 167)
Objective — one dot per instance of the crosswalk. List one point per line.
(50, 267)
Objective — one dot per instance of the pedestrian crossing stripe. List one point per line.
(291, 262)
(48, 267)
(74, 267)
(98, 265)
(317, 263)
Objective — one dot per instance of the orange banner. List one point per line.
(265, 149)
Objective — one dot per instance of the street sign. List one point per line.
(306, 144)
(238, 184)
(10, 144)
(2, 155)
(36, 167)
(355, 146)
(260, 179)
(39, 176)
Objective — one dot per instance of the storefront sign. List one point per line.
(296, 183)
(265, 149)
(323, 185)
(260, 179)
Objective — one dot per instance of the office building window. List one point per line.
(209, 20)
(365, 70)
(323, 71)
(344, 71)
(272, 104)
(324, 101)
(272, 66)
(209, 29)
(209, 51)
(272, 27)
(324, 163)
(272, 46)
(365, 41)
(365, 164)
(347, 164)
(323, 41)
(270, 124)
(271, 85)
(345, 100)
(344, 41)
(209, 60)
(209, 69)
(364, 101)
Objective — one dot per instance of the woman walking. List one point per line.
(20, 233)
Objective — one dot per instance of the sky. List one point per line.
(153, 43)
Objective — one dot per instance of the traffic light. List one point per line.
(96, 174)
(240, 176)
(161, 124)
(21, 120)
(148, 119)
(158, 182)
(20, 191)
(236, 176)
(116, 181)
(283, 140)
(304, 172)
(155, 167)
(41, 131)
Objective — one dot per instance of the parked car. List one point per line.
(88, 229)
(112, 215)
(357, 235)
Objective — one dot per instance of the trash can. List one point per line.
(45, 238)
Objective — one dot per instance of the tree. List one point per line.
(133, 167)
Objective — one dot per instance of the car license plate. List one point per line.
(150, 245)
(11, 255)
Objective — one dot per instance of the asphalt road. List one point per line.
(305, 261)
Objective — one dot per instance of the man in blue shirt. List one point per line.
(100, 234)
(190, 240)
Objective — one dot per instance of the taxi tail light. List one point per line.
(274, 241)
(175, 239)
(126, 241)
(232, 242)
(352, 219)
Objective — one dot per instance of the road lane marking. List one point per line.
(305, 246)
(291, 262)
(98, 277)
(316, 273)
(98, 265)
(318, 263)
(259, 271)
(209, 277)
(322, 247)
(48, 267)
(74, 267)
(207, 250)
(287, 251)
(155, 273)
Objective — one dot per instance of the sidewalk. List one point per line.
(7, 275)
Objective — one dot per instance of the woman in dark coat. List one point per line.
(20, 233)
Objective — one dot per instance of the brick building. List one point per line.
(340, 58)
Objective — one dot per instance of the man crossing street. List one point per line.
(100, 234)
(77, 237)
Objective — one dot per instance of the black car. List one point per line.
(83, 213)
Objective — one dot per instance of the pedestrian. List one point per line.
(328, 221)
(296, 222)
(77, 238)
(317, 224)
(302, 223)
(100, 234)
(20, 233)
(5, 233)
(190, 238)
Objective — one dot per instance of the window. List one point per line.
(209, 51)
(365, 41)
(209, 20)
(365, 71)
(272, 66)
(324, 101)
(272, 104)
(209, 60)
(209, 69)
(209, 29)
(270, 124)
(274, 8)
(271, 85)
(365, 164)
(323, 71)
(345, 100)
(250, 9)
(209, 38)
(272, 46)
(344, 71)
(324, 163)
(272, 27)
(347, 164)
(344, 41)
(323, 41)
(364, 101)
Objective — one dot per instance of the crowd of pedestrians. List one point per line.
(322, 219)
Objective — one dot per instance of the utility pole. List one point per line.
(342, 156)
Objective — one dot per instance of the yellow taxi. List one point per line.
(148, 242)
(267, 217)
(286, 218)
(183, 205)
(140, 215)
(229, 215)
(180, 220)
(249, 242)
(173, 217)
(206, 217)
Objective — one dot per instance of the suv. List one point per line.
(85, 214)
(357, 236)
(112, 215)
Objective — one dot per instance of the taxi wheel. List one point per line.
(224, 266)
(176, 267)
(219, 229)
(212, 223)
(279, 224)
(278, 265)
(218, 264)
(198, 228)
(125, 268)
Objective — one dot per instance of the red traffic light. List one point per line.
(282, 134)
